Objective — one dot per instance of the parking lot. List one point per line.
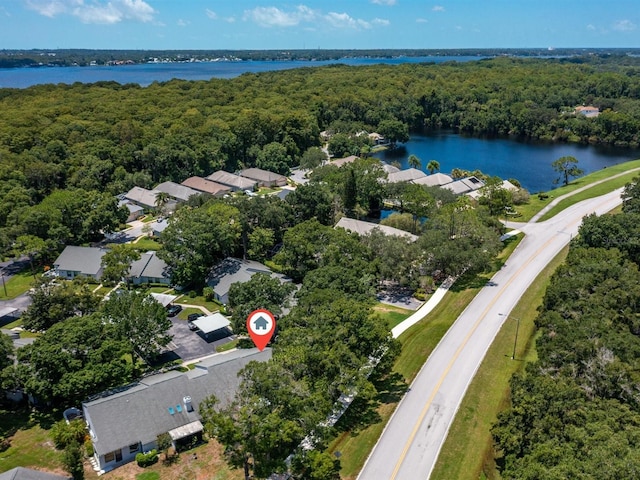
(189, 344)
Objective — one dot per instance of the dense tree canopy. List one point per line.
(575, 411)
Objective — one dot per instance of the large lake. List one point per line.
(147, 73)
(528, 162)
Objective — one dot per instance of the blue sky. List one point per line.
(345, 24)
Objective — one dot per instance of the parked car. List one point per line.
(173, 310)
(191, 317)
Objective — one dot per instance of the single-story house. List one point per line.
(235, 182)
(207, 186)
(177, 191)
(149, 269)
(264, 178)
(588, 111)
(390, 168)
(378, 139)
(464, 185)
(143, 197)
(135, 211)
(338, 162)
(234, 270)
(434, 180)
(128, 420)
(79, 261)
(408, 175)
(21, 473)
(363, 228)
(506, 184)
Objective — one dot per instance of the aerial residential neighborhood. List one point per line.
(322, 251)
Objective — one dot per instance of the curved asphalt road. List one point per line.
(411, 441)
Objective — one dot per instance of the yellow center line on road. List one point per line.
(414, 432)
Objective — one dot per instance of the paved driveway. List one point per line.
(188, 344)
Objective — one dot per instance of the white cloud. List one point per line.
(384, 2)
(421, 20)
(211, 14)
(591, 27)
(98, 11)
(624, 26)
(438, 8)
(380, 22)
(183, 23)
(230, 19)
(274, 17)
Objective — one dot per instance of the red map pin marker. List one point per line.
(261, 324)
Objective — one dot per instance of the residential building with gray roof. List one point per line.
(128, 420)
(235, 182)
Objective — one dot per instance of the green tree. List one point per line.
(414, 161)
(316, 465)
(162, 198)
(32, 246)
(631, 196)
(139, 319)
(6, 351)
(93, 361)
(116, 263)
(313, 157)
(495, 196)
(394, 130)
(261, 291)
(64, 434)
(567, 167)
(52, 303)
(433, 166)
(164, 443)
(261, 241)
(72, 461)
(350, 194)
(197, 238)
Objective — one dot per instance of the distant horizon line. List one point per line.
(281, 50)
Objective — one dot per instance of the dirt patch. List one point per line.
(205, 462)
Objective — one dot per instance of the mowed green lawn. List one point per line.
(29, 443)
(16, 285)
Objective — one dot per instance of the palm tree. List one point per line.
(414, 162)
(433, 166)
(161, 200)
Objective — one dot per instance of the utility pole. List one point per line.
(515, 340)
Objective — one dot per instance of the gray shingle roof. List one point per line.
(149, 265)
(263, 175)
(177, 191)
(433, 180)
(141, 412)
(21, 473)
(406, 175)
(86, 260)
(363, 228)
(233, 181)
(233, 270)
(142, 196)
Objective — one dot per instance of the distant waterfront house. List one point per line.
(338, 162)
(80, 262)
(506, 184)
(177, 191)
(588, 111)
(464, 185)
(234, 270)
(207, 186)
(364, 228)
(378, 139)
(408, 175)
(434, 180)
(235, 182)
(129, 419)
(143, 197)
(264, 178)
(390, 168)
(149, 269)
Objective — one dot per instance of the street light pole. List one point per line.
(515, 340)
(4, 285)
